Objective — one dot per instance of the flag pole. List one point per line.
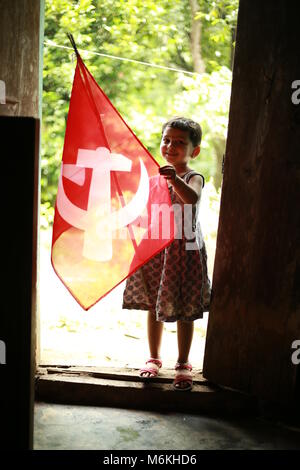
(72, 41)
(114, 176)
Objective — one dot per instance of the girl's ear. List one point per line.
(196, 151)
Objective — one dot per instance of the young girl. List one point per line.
(174, 285)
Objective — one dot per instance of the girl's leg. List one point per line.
(185, 331)
(155, 330)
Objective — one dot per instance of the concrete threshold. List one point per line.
(123, 388)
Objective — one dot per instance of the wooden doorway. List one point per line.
(254, 316)
(255, 311)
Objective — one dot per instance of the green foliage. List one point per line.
(144, 30)
(218, 19)
(46, 215)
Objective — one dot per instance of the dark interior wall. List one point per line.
(255, 311)
(19, 138)
(19, 134)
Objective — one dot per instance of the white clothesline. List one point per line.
(148, 64)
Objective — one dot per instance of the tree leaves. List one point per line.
(144, 30)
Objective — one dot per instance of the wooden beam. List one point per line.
(84, 389)
(255, 310)
(20, 56)
(114, 373)
(20, 52)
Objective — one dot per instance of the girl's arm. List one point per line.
(189, 193)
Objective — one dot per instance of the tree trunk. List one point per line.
(199, 66)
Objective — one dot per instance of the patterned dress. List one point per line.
(174, 283)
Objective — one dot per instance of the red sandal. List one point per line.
(151, 370)
(183, 377)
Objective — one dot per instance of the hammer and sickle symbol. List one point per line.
(99, 222)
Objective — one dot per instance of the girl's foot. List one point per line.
(151, 370)
(183, 378)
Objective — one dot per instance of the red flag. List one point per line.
(113, 210)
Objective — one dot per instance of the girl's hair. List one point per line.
(185, 124)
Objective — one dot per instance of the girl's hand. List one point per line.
(169, 173)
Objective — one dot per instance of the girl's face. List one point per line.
(176, 146)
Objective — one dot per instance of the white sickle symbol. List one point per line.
(98, 222)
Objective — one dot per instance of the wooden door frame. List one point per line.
(255, 311)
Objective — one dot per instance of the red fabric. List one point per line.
(108, 185)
